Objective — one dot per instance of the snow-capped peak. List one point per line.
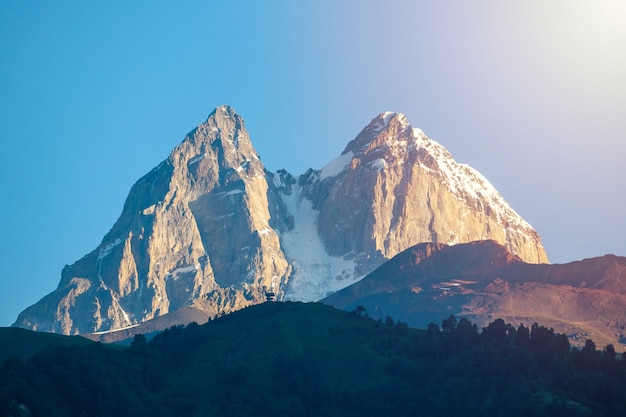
(370, 137)
(390, 140)
(380, 122)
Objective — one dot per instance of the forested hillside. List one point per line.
(310, 359)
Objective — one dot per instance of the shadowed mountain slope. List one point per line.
(483, 280)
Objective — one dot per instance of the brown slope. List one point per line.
(483, 281)
(181, 317)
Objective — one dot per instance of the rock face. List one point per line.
(391, 188)
(211, 228)
(483, 281)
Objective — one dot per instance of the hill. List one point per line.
(311, 359)
(483, 280)
(22, 343)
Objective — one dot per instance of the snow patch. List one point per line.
(196, 158)
(278, 181)
(117, 330)
(336, 166)
(381, 124)
(387, 116)
(378, 164)
(105, 251)
(149, 210)
(315, 274)
(233, 192)
(176, 273)
(467, 183)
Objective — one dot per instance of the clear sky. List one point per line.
(93, 95)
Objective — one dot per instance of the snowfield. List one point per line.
(316, 274)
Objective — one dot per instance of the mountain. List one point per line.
(391, 188)
(484, 280)
(210, 228)
(305, 359)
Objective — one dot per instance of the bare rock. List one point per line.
(210, 228)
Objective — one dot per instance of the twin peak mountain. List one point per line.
(211, 228)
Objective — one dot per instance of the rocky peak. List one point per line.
(194, 231)
(383, 131)
(218, 151)
(210, 228)
(413, 186)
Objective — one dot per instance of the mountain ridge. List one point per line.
(211, 228)
(482, 280)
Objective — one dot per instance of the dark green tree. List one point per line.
(449, 325)
(495, 333)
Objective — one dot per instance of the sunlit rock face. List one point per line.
(398, 188)
(392, 188)
(211, 228)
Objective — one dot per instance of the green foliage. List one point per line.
(309, 359)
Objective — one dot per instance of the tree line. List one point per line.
(374, 368)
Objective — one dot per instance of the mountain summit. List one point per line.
(211, 228)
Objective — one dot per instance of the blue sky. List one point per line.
(95, 94)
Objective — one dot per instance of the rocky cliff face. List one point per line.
(192, 230)
(211, 228)
(391, 188)
(416, 192)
